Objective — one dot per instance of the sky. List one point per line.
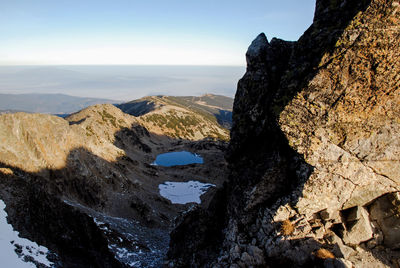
(148, 32)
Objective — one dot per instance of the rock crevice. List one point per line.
(314, 149)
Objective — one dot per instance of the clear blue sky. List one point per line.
(201, 32)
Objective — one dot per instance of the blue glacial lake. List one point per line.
(177, 159)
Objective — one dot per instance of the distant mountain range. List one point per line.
(47, 103)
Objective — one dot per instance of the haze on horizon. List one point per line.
(155, 32)
(120, 82)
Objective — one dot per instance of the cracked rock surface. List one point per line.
(314, 150)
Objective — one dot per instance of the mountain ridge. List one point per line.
(185, 117)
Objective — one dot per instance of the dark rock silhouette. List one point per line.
(302, 156)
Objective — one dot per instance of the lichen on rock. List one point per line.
(314, 142)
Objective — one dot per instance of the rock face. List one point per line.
(314, 150)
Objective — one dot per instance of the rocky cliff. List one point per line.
(314, 150)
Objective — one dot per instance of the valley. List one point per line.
(98, 164)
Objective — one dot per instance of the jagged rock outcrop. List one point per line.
(314, 150)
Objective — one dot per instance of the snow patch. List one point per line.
(184, 192)
(10, 243)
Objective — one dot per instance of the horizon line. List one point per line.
(149, 65)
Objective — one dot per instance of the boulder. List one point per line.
(358, 227)
(386, 212)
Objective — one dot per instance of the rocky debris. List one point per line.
(314, 149)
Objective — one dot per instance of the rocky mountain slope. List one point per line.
(314, 151)
(85, 188)
(192, 118)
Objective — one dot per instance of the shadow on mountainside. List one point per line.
(55, 207)
(137, 108)
(45, 219)
(263, 166)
